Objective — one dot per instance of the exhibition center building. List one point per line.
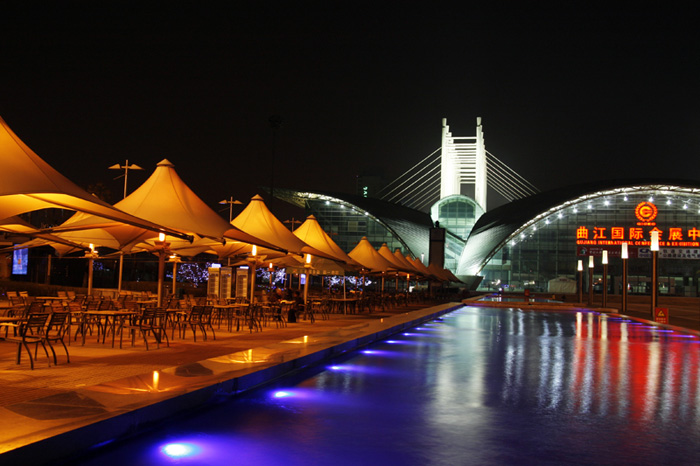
(537, 241)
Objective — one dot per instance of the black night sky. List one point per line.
(566, 95)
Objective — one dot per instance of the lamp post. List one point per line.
(624, 253)
(605, 278)
(230, 203)
(126, 167)
(91, 255)
(174, 259)
(253, 259)
(654, 270)
(580, 281)
(307, 266)
(591, 264)
(163, 251)
(293, 222)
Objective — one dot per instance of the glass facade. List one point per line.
(550, 245)
(347, 225)
(457, 214)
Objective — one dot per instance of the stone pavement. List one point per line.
(105, 393)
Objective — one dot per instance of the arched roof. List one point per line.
(497, 226)
(411, 227)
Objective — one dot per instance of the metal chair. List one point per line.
(30, 332)
(59, 323)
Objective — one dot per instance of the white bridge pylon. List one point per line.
(463, 163)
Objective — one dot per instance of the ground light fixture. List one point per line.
(654, 270)
(605, 278)
(624, 254)
(591, 265)
(580, 281)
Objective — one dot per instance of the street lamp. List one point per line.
(624, 253)
(293, 222)
(591, 264)
(162, 252)
(230, 203)
(580, 281)
(253, 259)
(307, 266)
(605, 278)
(654, 270)
(126, 167)
(91, 255)
(174, 258)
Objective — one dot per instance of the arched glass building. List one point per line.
(527, 243)
(531, 242)
(348, 218)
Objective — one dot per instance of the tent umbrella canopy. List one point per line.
(401, 259)
(365, 254)
(17, 225)
(165, 199)
(311, 233)
(385, 252)
(28, 183)
(257, 221)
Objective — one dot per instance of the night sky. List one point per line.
(566, 95)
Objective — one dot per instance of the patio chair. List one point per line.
(199, 317)
(59, 322)
(152, 321)
(273, 313)
(30, 332)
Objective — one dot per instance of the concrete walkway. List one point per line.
(53, 413)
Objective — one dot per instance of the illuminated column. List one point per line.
(162, 251)
(580, 281)
(605, 278)
(253, 259)
(654, 270)
(625, 255)
(91, 255)
(121, 272)
(590, 280)
(174, 259)
(307, 266)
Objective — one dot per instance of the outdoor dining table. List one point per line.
(113, 320)
(144, 303)
(227, 311)
(10, 322)
(336, 302)
(51, 298)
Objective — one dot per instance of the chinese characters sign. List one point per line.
(639, 235)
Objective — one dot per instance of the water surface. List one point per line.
(479, 386)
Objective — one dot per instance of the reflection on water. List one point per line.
(480, 386)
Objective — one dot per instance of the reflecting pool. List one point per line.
(479, 386)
